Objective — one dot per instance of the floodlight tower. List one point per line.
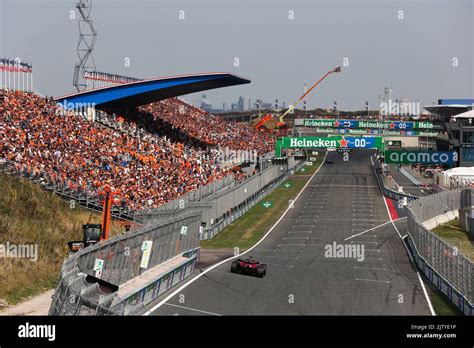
(85, 46)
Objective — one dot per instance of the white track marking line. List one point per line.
(361, 220)
(278, 257)
(336, 185)
(292, 244)
(374, 280)
(286, 238)
(279, 265)
(371, 268)
(362, 242)
(177, 291)
(374, 258)
(370, 229)
(408, 251)
(193, 309)
(291, 232)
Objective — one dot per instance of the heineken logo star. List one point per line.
(391, 125)
(337, 123)
(343, 142)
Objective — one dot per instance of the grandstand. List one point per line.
(152, 153)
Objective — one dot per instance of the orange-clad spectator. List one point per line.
(148, 169)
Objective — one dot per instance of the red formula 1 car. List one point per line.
(249, 266)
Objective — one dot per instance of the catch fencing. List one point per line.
(90, 278)
(91, 281)
(387, 184)
(229, 203)
(444, 262)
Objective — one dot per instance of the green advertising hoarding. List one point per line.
(332, 142)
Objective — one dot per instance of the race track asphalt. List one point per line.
(340, 201)
(407, 185)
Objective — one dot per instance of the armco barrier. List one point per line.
(91, 279)
(444, 264)
(137, 298)
(386, 188)
(98, 280)
(225, 206)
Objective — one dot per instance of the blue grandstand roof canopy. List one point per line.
(148, 91)
(467, 102)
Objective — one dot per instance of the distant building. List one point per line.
(241, 104)
(205, 105)
(457, 117)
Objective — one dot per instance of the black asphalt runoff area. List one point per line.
(341, 201)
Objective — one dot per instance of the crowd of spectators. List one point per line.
(210, 129)
(148, 170)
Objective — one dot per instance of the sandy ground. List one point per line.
(38, 305)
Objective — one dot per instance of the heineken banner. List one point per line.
(423, 157)
(333, 142)
(376, 132)
(393, 125)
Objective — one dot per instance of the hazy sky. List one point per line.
(414, 54)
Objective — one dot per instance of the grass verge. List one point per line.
(249, 229)
(309, 170)
(454, 235)
(31, 215)
(441, 304)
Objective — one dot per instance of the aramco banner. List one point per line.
(423, 157)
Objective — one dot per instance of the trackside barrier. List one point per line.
(138, 298)
(104, 279)
(192, 196)
(387, 184)
(91, 279)
(225, 206)
(445, 265)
